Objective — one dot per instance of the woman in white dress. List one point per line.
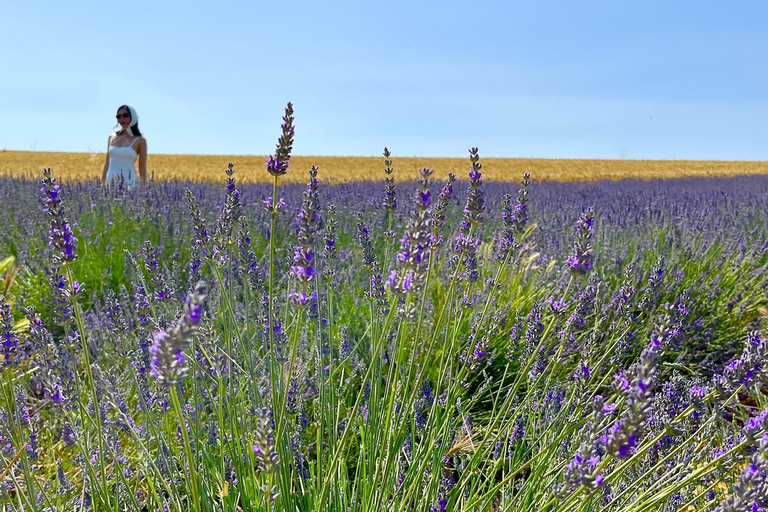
(124, 147)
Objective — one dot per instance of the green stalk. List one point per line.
(187, 448)
(86, 354)
(273, 213)
(337, 453)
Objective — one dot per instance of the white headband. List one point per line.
(134, 120)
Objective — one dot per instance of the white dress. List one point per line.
(121, 163)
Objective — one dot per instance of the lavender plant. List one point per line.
(519, 367)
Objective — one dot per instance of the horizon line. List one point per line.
(255, 155)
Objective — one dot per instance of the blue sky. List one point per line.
(565, 79)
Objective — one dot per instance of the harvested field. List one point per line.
(86, 166)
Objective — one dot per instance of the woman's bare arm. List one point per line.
(143, 160)
(106, 162)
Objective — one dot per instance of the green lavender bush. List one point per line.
(425, 351)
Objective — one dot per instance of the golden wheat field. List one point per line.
(86, 166)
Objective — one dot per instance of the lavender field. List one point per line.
(427, 345)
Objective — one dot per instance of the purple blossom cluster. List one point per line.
(277, 164)
(415, 247)
(390, 195)
(9, 340)
(514, 219)
(60, 237)
(304, 265)
(168, 364)
(466, 241)
(579, 262)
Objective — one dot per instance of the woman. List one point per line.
(124, 147)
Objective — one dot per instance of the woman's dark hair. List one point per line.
(134, 128)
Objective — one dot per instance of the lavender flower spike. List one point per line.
(514, 218)
(390, 197)
(466, 244)
(277, 164)
(580, 260)
(167, 350)
(413, 255)
(310, 223)
(749, 491)
(475, 207)
(438, 210)
(265, 451)
(9, 341)
(61, 237)
(624, 435)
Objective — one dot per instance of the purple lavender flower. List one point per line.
(61, 237)
(438, 210)
(475, 207)
(230, 213)
(9, 340)
(582, 468)
(580, 260)
(168, 364)
(623, 436)
(514, 219)
(390, 198)
(466, 242)
(377, 292)
(162, 291)
(746, 369)
(748, 493)
(330, 250)
(200, 239)
(310, 224)
(248, 266)
(264, 449)
(415, 247)
(277, 164)
(274, 209)
(478, 352)
(650, 293)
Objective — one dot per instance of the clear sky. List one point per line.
(560, 79)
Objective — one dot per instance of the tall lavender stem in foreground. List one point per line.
(168, 364)
(466, 242)
(277, 164)
(390, 198)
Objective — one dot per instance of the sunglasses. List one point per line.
(120, 116)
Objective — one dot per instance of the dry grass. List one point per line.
(84, 166)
